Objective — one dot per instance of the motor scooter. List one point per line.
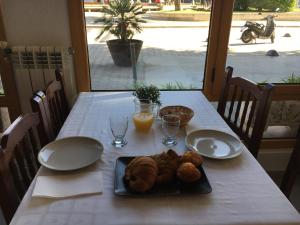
(252, 30)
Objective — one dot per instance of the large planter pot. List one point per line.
(124, 53)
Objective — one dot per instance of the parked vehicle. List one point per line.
(252, 30)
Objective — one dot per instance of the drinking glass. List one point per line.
(170, 127)
(143, 116)
(118, 126)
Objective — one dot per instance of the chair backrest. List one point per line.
(18, 162)
(292, 169)
(54, 96)
(244, 106)
(40, 105)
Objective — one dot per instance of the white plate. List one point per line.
(70, 153)
(214, 143)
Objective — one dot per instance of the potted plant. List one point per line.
(149, 96)
(121, 20)
(150, 93)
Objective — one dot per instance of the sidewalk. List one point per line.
(91, 16)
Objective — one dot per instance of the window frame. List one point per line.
(220, 20)
(10, 99)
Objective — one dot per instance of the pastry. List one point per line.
(192, 157)
(188, 172)
(141, 174)
(167, 163)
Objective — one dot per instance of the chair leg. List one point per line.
(290, 174)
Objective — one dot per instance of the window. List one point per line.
(173, 52)
(264, 47)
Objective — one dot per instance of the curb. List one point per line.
(188, 26)
(287, 16)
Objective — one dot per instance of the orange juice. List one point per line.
(143, 121)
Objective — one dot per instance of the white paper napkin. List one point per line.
(62, 186)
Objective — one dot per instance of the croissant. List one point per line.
(167, 165)
(141, 173)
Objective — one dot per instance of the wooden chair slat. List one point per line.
(55, 114)
(237, 112)
(35, 145)
(249, 121)
(30, 156)
(16, 177)
(245, 110)
(22, 165)
(40, 105)
(232, 102)
(251, 115)
(17, 162)
(56, 109)
(62, 93)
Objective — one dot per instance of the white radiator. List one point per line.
(34, 68)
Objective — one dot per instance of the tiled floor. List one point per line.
(295, 195)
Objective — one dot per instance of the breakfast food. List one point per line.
(188, 172)
(192, 157)
(185, 113)
(167, 164)
(141, 173)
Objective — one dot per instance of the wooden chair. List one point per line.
(18, 162)
(244, 106)
(39, 104)
(55, 97)
(292, 170)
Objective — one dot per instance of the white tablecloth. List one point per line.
(242, 191)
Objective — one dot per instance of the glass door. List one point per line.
(264, 47)
(173, 48)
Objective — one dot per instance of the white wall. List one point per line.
(39, 23)
(36, 22)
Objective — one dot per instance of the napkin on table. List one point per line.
(62, 186)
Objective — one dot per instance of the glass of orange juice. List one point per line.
(143, 116)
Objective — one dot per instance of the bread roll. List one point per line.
(192, 157)
(188, 172)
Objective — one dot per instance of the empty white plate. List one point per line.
(214, 143)
(70, 153)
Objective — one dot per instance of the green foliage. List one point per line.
(176, 86)
(150, 92)
(272, 5)
(241, 5)
(121, 19)
(262, 82)
(292, 79)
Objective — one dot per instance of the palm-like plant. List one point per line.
(121, 19)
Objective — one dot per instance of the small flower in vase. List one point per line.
(150, 93)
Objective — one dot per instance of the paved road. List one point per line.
(177, 55)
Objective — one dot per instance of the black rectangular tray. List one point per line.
(201, 186)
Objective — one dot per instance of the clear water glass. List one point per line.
(170, 127)
(118, 125)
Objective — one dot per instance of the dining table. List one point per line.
(242, 192)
